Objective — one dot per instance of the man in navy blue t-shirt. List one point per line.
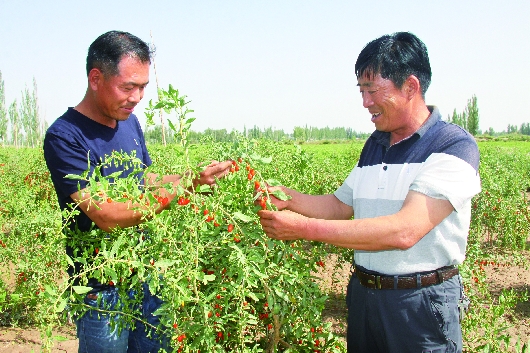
(103, 122)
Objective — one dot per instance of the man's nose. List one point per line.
(136, 96)
(367, 100)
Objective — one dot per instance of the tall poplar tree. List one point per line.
(14, 120)
(472, 116)
(3, 112)
(29, 115)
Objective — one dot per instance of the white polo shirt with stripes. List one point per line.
(440, 160)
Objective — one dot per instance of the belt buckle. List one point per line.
(377, 282)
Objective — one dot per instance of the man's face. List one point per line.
(384, 101)
(116, 96)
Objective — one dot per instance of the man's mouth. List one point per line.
(375, 116)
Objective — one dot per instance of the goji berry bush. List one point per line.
(226, 286)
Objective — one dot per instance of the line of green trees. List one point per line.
(153, 134)
(524, 129)
(20, 122)
(21, 125)
(469, 120)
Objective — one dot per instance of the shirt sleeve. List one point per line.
(444, 176)
(345, 193)
(64, 155)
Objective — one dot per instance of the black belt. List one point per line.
(411, 281)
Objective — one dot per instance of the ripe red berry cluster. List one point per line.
(162, 200)
(182, 201)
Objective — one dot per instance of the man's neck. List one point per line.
(416, 118)
(88, 109)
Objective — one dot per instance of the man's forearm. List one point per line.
(318, 206)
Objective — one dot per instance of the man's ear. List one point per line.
(412, 86)
(95, 77)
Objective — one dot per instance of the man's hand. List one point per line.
(283, 225)
(212, 172)
(280, 204)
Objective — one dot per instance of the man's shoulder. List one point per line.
(452, 139)
(64, 123)
(446, 131)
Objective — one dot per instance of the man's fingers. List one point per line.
(212, 163)
(265, 214)
(266, 221)
(222, 166)
(217, 169)
(221, 169)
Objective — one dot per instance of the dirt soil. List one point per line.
(333, 280)
(17, 340)
(514, 277)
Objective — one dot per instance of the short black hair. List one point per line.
(106, 52)
(395, 57)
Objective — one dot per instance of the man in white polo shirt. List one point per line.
(410, 195)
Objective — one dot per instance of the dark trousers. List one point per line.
(404, 320)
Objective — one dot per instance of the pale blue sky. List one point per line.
(274, 63)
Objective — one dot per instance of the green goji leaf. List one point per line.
(280, 195)
(81, 289)
(242, 217)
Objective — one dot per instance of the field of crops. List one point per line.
(226, 286)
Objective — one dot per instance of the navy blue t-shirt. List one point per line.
(73, 139)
